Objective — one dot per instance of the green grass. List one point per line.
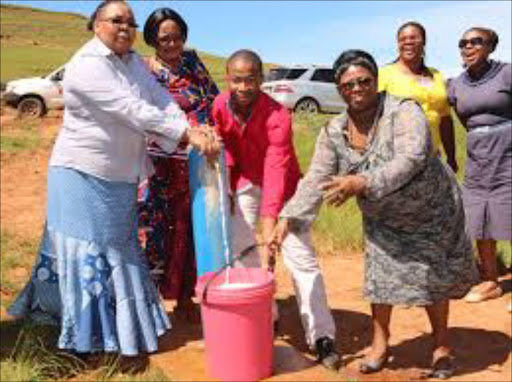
(35, 42)
(29, 353)
(26, 355)
(335, 229)
(15, 252)
(49, 39)
(20, 136)
(19, 62)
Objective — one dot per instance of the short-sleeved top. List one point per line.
(260, 151)
(432, 98)
(486, 101)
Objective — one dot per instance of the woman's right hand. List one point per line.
(278, 235)
(208, 144)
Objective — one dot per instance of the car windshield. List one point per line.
(58, 75)
(284, 74)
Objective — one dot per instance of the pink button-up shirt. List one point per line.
(259, 152)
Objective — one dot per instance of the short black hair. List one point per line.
(354, 57)
(492, 36)
(416, 25)
(157, 17)
(423, 34)
(98, 10)
(247, 55)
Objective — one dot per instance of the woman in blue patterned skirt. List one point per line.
(90, 276)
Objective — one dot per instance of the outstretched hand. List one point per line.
(340, 188)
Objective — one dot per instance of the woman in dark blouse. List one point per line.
(481, 97)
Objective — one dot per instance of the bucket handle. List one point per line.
(242, 254)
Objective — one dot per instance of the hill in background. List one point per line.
(34, 42)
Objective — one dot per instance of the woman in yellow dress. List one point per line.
(409, 77)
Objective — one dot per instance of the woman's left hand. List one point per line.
(340, 188)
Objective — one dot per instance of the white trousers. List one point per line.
(299, 258)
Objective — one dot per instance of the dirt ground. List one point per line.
(481, 333)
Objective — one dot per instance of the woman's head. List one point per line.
(114, 24)
(476, 45)
(411, 38)
(167, 32)
(356, 74)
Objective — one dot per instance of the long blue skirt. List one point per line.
(90, 275)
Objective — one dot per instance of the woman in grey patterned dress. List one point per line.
(417, 253)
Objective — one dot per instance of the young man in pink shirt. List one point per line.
(264, 172)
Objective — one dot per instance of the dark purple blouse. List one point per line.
(486, 101)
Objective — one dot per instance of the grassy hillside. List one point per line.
(34, 42)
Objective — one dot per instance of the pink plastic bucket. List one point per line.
(237, 323)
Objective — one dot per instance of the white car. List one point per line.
(34, 96)
(304, 88)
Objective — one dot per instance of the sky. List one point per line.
(316, 32)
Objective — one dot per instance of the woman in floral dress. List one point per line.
(164, 212)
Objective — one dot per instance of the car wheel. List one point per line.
(31, 107)
(307, 105)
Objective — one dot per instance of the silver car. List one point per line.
(308, 89)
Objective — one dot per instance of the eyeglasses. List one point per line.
(363, 82)
(118, 21)
(169, 39)
(475, 41)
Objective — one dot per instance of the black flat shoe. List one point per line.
(326, 353)
(373, 365)
(443, 368)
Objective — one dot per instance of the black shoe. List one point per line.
(326, 354)
(443, 368)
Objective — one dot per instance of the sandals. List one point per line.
(373, 365)
(443, 368)
(475, 296)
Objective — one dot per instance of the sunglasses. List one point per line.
(363, 82)
(475, 41)
(118, 21)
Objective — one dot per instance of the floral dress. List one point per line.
(417, 252)
(165, 228)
